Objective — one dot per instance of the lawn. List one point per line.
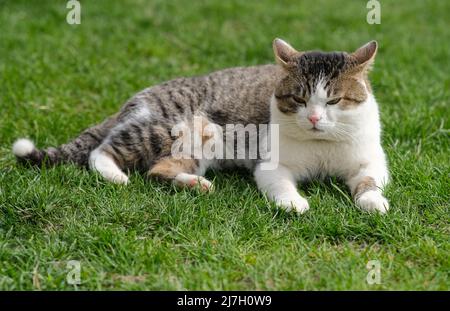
(57, 79)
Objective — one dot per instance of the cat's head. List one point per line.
(321, 92)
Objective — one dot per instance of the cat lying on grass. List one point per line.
(327, 118)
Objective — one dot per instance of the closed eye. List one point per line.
(334, 101)
(358, 101)
(299, 100)
(295, 98)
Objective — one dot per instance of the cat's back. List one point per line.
(240, 95)
(232, 95)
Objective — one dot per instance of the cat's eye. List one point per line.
(299, 100)
(334, 101)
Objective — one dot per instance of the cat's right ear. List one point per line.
(365, 55)
(284, 53)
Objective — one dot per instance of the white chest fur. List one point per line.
(309, 158)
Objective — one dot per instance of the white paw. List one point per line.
(120, 179)
(192, 181)
(373, 201)
(293, 203)
(102, 162)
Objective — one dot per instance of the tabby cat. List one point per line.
(327, 118)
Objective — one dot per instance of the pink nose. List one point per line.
(314, 119)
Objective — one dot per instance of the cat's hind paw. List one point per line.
(192, 181)
(373, 201)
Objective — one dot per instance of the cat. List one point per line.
(322, 102)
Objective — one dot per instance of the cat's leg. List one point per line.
(280, 186)
(366, 187)
(182, 172)
(102, 161)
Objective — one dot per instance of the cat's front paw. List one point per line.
(373, 201)
(293, 204)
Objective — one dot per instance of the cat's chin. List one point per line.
(316, 130)
(310, 135)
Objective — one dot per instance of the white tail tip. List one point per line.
(23, 147)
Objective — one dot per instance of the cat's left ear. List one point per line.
(365, 55)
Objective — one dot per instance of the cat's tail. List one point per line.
(77, 151)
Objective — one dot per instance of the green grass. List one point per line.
(58, 79)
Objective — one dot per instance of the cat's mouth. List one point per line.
(315, 129)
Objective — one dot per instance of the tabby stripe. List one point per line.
(168, 129)
(117, 151)
(95, 137)
(138, 132)
(125, 136)
(114, 156)
(155, 142)
(77, 144)
(191, 101)
(308, 88)
(161, 106)
(177, 104)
